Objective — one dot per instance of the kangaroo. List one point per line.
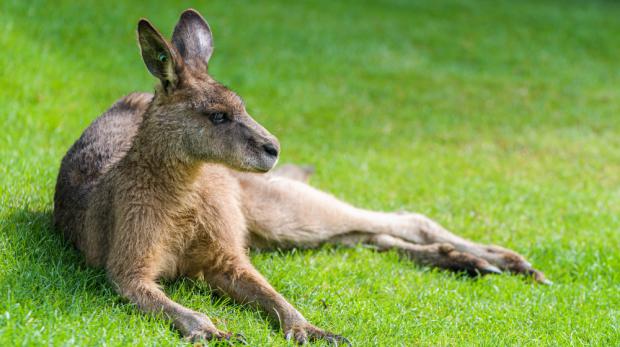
(175, 183)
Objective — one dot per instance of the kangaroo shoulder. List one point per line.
(134, 102)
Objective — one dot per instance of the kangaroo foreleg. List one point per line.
(242, 282)
(139, 289)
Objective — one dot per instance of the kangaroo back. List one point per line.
(103, 143)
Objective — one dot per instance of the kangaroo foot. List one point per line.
(511, 261)
(304, 332)
(197, 327)
(445, 256)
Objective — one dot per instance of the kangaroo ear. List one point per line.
(193, 39)
(160, 57)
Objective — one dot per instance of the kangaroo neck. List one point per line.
(159, 164)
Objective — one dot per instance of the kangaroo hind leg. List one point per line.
(440, 255)
(300, 173)
(286, 213)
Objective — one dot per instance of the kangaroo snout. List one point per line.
(263, 149)
(268, 154)
(271, 149)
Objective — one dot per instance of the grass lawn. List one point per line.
(499, 119)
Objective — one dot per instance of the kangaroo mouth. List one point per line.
(259, 163)
(266, 162)
(266, 156)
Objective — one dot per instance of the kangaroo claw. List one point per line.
(492, 269)
(305, 332)
(241, 338)
(547, 282)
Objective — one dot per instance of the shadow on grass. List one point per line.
(38, 262)
(41, 269)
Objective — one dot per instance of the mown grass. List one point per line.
(500, 119)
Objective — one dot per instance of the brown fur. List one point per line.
(158, 187)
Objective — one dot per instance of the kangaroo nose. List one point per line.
(271, 149)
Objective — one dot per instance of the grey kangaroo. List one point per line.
(174, 184)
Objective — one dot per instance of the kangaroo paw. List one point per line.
(304, 332)
(447, 257)
(513, 262)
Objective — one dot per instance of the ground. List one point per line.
(499, 119)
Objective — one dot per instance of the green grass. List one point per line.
(500, 119)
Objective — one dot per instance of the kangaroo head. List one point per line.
(202, 120)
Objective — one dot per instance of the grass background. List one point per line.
(500, 119)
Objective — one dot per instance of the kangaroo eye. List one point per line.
(218, 117)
